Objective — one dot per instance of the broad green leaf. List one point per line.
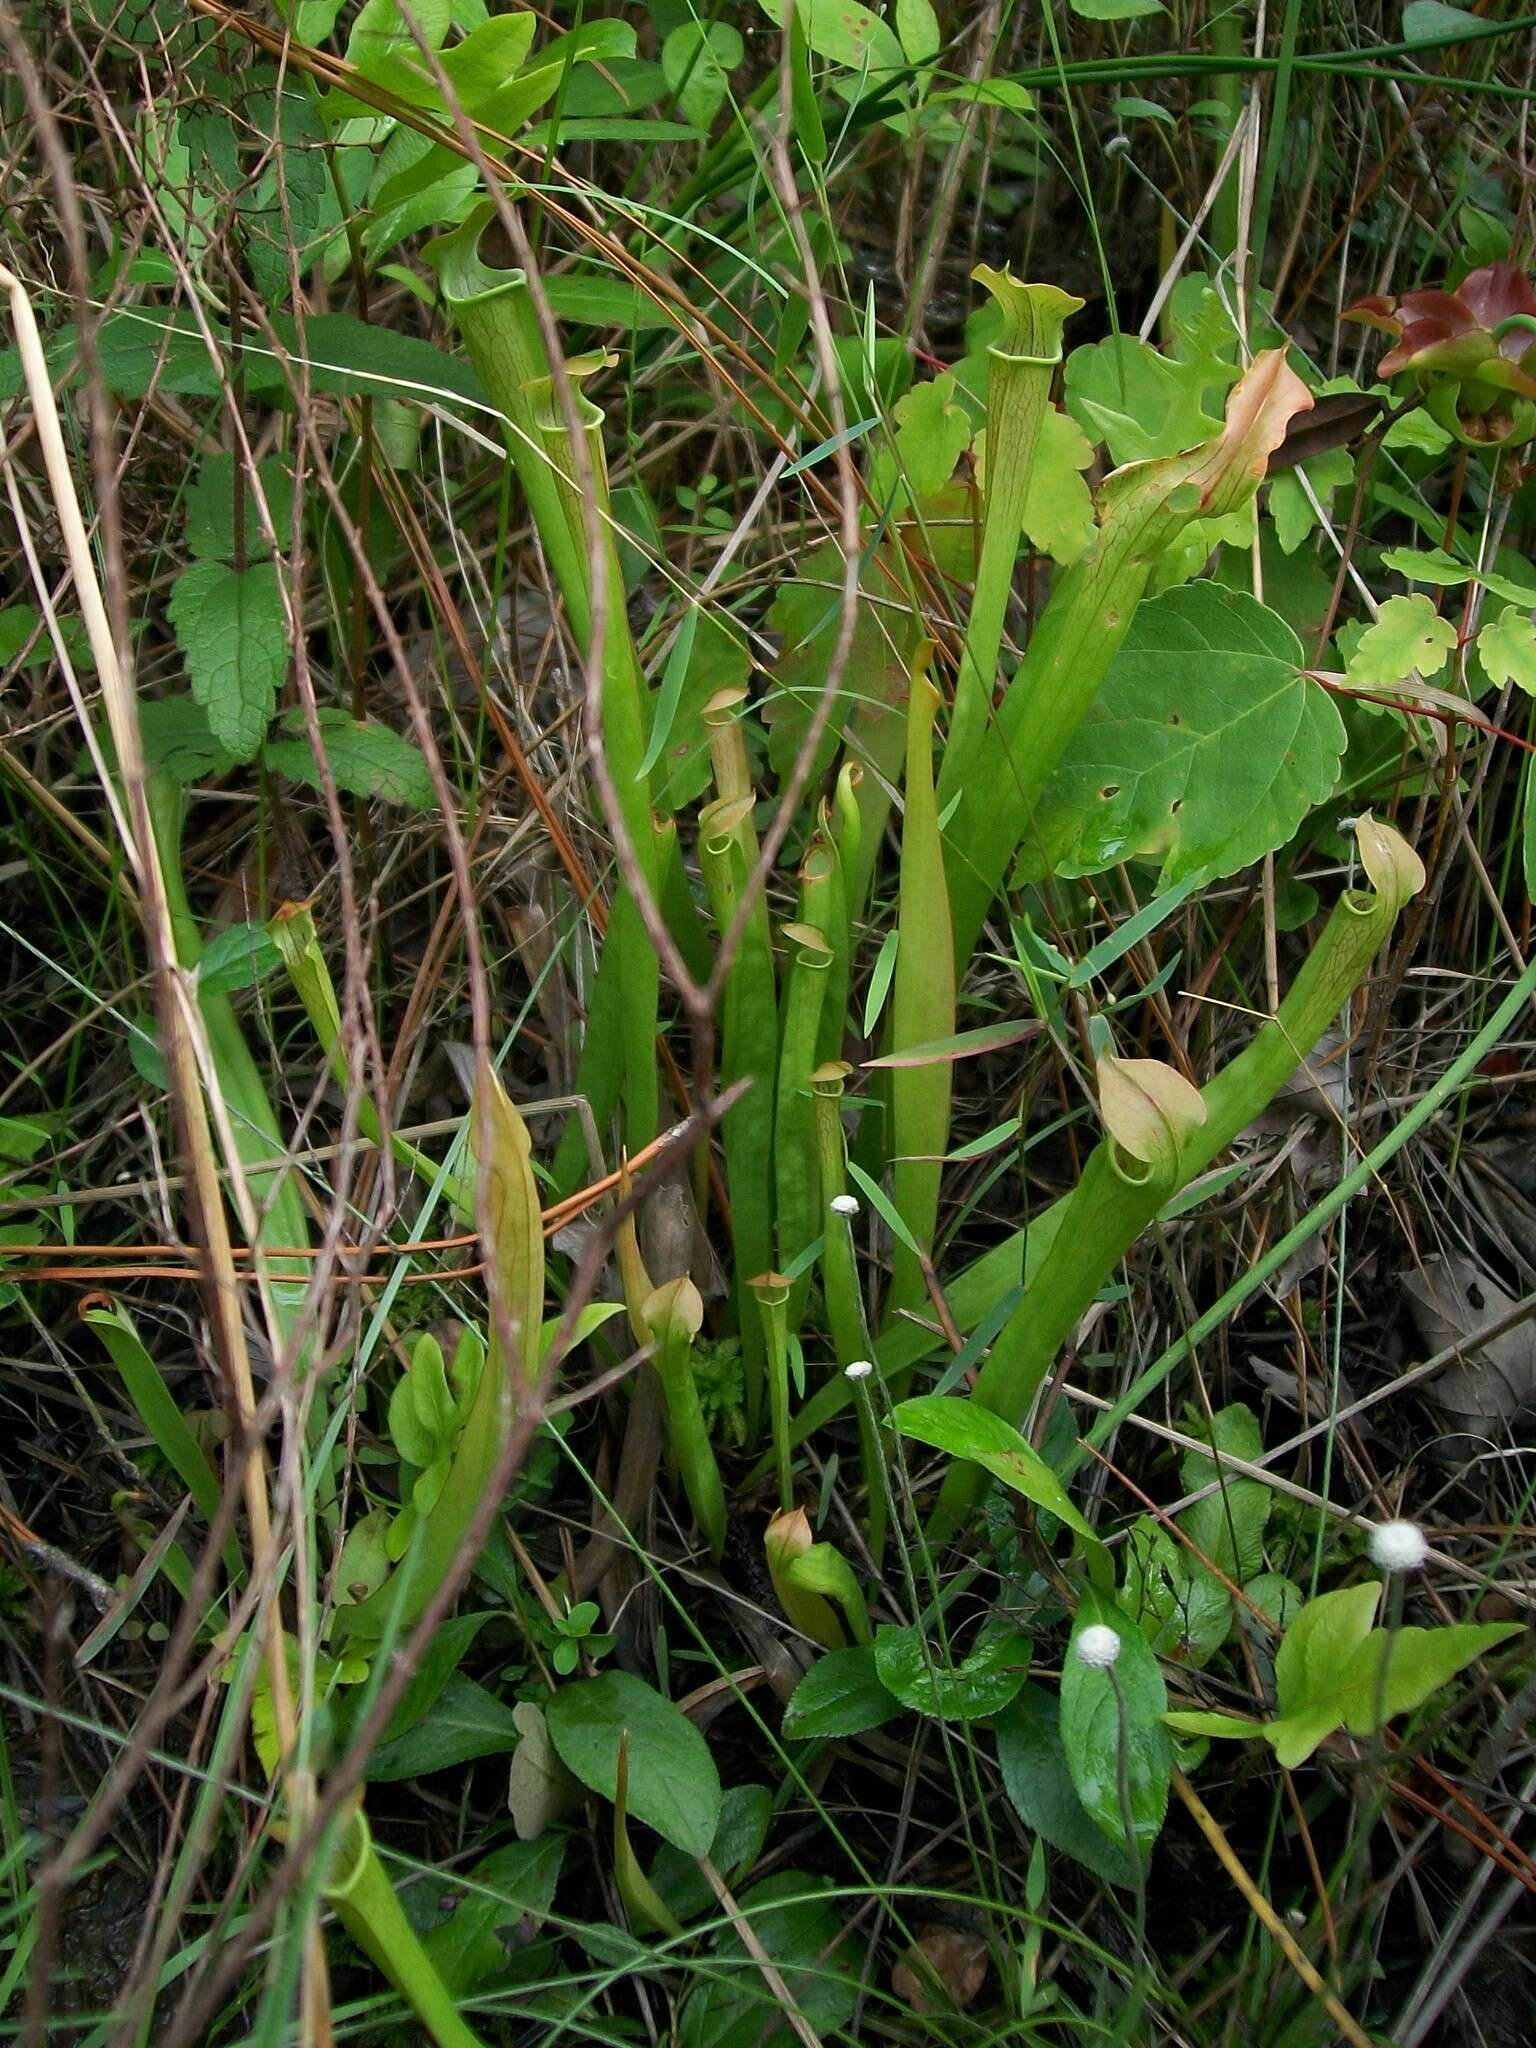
(1228, 1526)
(177, 738)
(233, 634)
(137, 348)
(364, 1562)
(281, 212)
(596, 301)
(673, 1784)
(1205, 748)
(1037, 1780)
(1506, 647)
(1289, 505)
(1318, 1646)
(803, 1937)
(1435, 566)
(589, 1321)
(1408, 637)
(466, 1721)
(1091, 1732)
(211, 507)
(1399, 1670)
(957, 1425)
(932, 432)
(697, 59)
(379, 33)
(745, 1813)
(1183, 1611)
(364, 757)
(236, 958)
(918, 28)
(426, 1386)
(1329, 1669)
(1129, 107)
(840, 1695)
(512, 1886)
(352, 358)
(23, 1137)
(19, 625)
(1140, 403)
(982, 1683)
(991, 92)
(1216, 1727)
(416, 1443)
(1116, 10)
(844, 32)
(447, 1650)
(1276, 1597)
(441, 201)
(1058, 509)
(1432, 21)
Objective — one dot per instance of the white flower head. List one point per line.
(860, 1369)
(1097, 1646)
(844, 1205)
(1399, 1547)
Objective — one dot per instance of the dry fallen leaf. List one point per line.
(945, 1968)
(1483, 1392)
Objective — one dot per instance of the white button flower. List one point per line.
(1399, 1547)
(1097, 1646)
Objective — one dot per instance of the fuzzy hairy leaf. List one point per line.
(365, 758)
(979, 1684)
(1183, 1611)
(841, 1694)
(233, 635)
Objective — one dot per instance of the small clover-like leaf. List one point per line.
(1409, 637)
